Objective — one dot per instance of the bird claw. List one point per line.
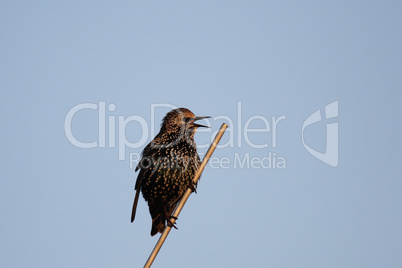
(193, 187)
(170, 224)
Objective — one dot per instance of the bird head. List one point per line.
(181, 122)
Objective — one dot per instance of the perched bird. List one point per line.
(167, 167)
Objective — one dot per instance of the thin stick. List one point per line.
(183, 200)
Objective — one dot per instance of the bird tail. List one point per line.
(159, 217)
(158, 225)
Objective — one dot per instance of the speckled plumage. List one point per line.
(168, 166)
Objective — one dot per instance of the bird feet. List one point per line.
(193, 187)
(168, 218)
(170, 224)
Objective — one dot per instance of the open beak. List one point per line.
(198, 118)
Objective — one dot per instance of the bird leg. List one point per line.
(168, 217)
(193, 187)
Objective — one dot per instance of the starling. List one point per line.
(167, 167)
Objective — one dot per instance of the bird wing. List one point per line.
(145, 165)
(137, 193)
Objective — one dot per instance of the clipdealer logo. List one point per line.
(330, 156)
(239, 135)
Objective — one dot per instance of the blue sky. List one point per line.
(66, 206)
